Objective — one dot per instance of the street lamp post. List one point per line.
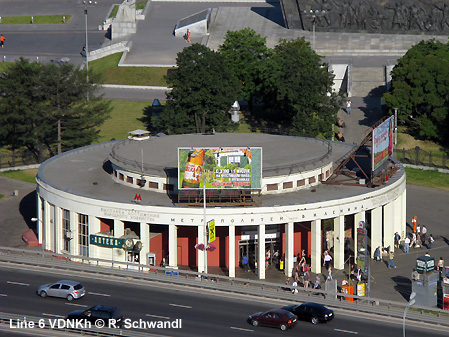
(314, 14)
(410, 303)
(87, 44)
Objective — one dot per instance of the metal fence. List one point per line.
(224, 284)
(17, 159)
(418, 156)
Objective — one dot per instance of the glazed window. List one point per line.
(83, 234)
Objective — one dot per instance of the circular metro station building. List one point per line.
(122, 201)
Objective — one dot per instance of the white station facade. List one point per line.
(119, 201)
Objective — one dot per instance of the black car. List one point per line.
(111, 316)
(312, 312)
(277, 318)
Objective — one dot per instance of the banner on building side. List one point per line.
(382, 143)
(219, 168)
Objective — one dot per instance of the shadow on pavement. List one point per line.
(27, 209)
(403, 286)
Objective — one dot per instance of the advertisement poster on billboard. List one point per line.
(382, 143)
(233, 168)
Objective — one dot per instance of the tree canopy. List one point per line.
(203, 90)
(37, 100)
(420, 90)
(290, 83)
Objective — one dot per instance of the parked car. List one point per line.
(65, 289)
(99, 312)
(312, 312)
(278, 318)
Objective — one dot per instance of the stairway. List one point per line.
(368, 81)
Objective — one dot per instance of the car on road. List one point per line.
(312, 312)
(65, 289)
(278, 318)
(109, 315)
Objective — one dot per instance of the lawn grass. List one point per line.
(111, 73)
(1, 196)
(23, 175)
(37, 19)
(139, 5)
(124, 118)
(428, 178)
(406, 141)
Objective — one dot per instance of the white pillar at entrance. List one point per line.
(40, 218)
(261, 248)
(59, 236)
(376, 229)
(289, 248)
(145, 238)
(316, 246)
(94, 228)
(172, 246)
(200, 262)
(339, 242)
(389, 225)
(397, 216)
(119, 254)
(231, 255)
(404, 214)
(357, 218)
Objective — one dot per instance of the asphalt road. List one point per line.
(202, 312)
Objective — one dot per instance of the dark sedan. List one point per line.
(312, 312)
(278, 318)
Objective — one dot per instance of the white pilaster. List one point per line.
(200, 262)
(172, 246)
(404, 214)
(316, 246)
(339, 242)
(289, 248)
(357, 218)
(94, 228)
(74, 228)
(47, 225)
(389, 225)
(231, 238)
(261, 249)
(40, 219)
(145, 239)
(397, 216)
(119, 230)
(59, 236)
(376, 229)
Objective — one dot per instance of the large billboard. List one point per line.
(233, 168)
(382, 143)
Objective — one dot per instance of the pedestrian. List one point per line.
(418, 241)
(423, 233)
(440, 265)
(294, 285)
(303, 257)
(359, 274)
(317, 284)
(267, 259)
(418, 230)
(287, 282)
(406, 244)
(377, 254)
(431, 241)
(188, 36)
(245, 263)
(390, 260)
(348, 107)
(327, 259)
(397, 238)
(276, 258)
(414, 223)
(306, 279)
(2, 40)
(413, 243)
(329, 271)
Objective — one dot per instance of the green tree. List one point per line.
(420, 90)
(203, 90)
(43, 105)
(245, 51)
(297, 90)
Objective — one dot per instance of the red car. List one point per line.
(278, 318)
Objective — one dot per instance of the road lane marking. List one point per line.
(18, 283)
(181, 306)
(99, 294)
(242, 329)
(51, 315)
(347, 331)
(156, 316)
(77, 305)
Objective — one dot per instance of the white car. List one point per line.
(65, 289)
